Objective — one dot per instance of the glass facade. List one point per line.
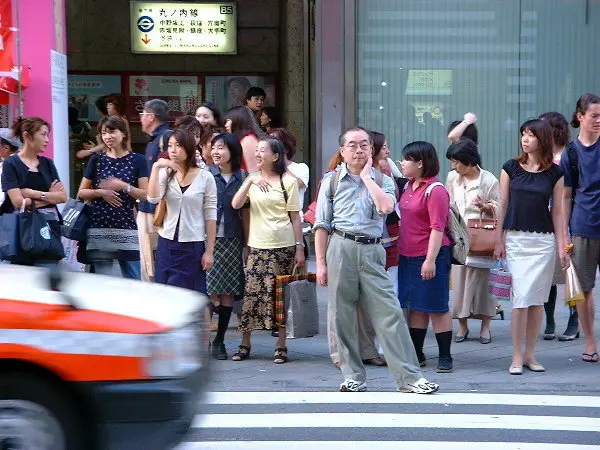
(423, 63)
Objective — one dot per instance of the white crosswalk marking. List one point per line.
(382, 420)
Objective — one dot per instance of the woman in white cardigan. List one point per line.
(187, 235)
(475, 191)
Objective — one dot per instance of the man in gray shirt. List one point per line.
(351, 261)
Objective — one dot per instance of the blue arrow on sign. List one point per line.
(145, 24)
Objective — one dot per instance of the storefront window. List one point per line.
(423, 64)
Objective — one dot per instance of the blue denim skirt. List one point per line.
(431, 296)
(180, 264)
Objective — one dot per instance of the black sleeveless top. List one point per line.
(530, 193)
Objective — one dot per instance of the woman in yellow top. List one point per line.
(275, 241)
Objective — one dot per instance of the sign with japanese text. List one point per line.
(182, 93)
(84, 90)
(177, 27)
(429, 82)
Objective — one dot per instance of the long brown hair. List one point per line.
(186, 140)
(542, 130)
(335, 161)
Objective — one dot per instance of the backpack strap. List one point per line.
(573, 164)
(285, 195)
(334, 181)
(430, 188)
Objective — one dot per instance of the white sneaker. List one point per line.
(353, 386)
(421, 386)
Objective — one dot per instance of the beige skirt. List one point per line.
(470, 293)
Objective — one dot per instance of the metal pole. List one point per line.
(19, 88)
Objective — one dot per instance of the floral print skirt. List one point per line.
(259, 295)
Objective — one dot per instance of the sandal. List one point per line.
(281, 356)
(590, 357)
(242, 353)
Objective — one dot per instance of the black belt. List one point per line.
(358, 238)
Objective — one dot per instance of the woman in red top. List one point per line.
(241, 122)
(425, 252)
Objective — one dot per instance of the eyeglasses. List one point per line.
(354, 146)
(144, 113)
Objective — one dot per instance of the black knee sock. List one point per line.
(224, 316)
(549, 306)
(418, 338)
(444, 340)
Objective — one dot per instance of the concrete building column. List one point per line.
(335, 43)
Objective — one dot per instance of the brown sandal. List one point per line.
(281, 356)
(242, 353)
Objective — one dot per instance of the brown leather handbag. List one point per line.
(482, 235)
(160, 212)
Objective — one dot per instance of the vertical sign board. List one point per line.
(178, 27)
(182, 93)
(60, 121)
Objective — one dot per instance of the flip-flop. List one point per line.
(593, 357)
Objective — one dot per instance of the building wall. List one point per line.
(98, 40)
(270, 39)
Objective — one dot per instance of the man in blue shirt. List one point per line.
(581, 211)
(351, 261)
(153, 118)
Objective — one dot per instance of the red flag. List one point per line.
(6, 36)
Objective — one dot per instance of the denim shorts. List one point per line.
(431, 296)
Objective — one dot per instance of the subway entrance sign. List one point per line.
(178, 27)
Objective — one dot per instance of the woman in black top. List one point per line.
(529, 235)
(28, 178)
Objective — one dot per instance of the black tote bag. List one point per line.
(9, 236)
(76, 220)
(39, 237)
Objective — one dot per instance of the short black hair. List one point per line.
(255, 91)
(277, 148)
(378, 141)
(560, 127)
(235, 149)
(273, 114)
(215, 111)
(469, 133)
(424, 152)
(464, 151)
(101, 105)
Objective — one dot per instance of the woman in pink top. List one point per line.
(425, 252)
(241, 122)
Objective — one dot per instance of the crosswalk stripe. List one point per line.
(469, 398)
(387, 420)
(379, 445)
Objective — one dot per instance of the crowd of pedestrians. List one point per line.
(216, 205)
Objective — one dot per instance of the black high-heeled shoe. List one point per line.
(500, 311)
(572, 331)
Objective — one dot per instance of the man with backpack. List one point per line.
(351, 261)
(581, 210)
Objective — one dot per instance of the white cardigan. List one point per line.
(192, 209)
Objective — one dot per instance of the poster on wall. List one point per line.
(230, 91)
(182, 93)
(84, 90)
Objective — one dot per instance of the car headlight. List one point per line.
(175, 353)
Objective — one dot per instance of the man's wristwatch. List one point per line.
(300, 244)
(43, 197)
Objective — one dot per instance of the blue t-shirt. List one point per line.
(585, 215)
